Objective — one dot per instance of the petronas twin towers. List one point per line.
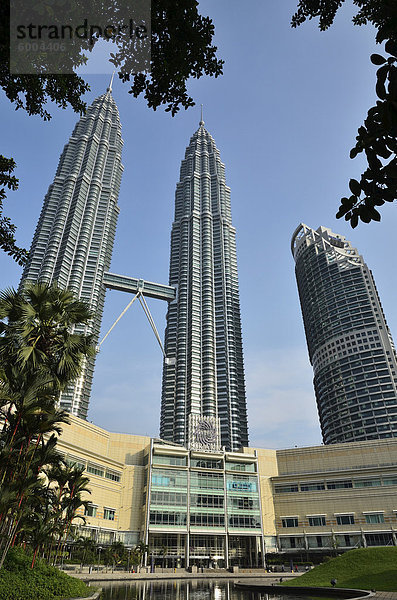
(203, 331)
(203, 396)
(74, 237)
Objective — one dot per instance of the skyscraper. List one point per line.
(203, 375)
(349, 342)
(74, 237)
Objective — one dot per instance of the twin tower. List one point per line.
(203, 391)
(203, 397)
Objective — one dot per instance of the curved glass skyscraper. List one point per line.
(203, 374)
(74, 237)
(349, 342)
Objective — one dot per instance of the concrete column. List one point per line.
(364, 541)
(393, 533)
(263, 545)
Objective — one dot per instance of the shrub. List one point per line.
(19, 582)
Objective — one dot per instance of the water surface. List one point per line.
(192, 589)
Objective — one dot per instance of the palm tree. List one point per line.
(70, 501)
(39, 332)
(40, 353)
(141, 548)
(88, 546)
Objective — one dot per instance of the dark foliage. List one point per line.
(7, 229)
(18, 580)
(377, 137)
(181, 48)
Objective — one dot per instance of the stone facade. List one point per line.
(316, 499)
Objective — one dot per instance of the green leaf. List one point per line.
(342, 210)
(380, 89)
(391, 48)
(354, 151)
(381, 150)
(391, 169)
(377, 59)
(373, 160)
(375, 216)
(355, 187)
(364, 213)
(354, 220)
(381, 75)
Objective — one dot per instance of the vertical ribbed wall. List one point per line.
(203, 330)
(74, 237)
(349, 342)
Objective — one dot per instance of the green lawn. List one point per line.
(364, 568)
(19, 582)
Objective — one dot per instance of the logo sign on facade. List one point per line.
(242, 486)
(204, 433)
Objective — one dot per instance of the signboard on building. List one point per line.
(204, 433)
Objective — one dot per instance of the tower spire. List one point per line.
(111, 82)
(201, 120)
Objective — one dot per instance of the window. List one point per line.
(113, 475)
(285, 489)
(206, 463)
(234, 466)
(206, 481)
(177, 519)
(391, 480)
(172, 461)
(374, 518)
(379, 539)
(367, 483)
(207, 520)
(345, 519)
(310, 487)
(336, 485)
(243, 502)
(289, 521)
(169, 478)
(90, 510)
(164, 498)
(207, 500)
(244, 522)
(95, 470)
(317, 521)
(109, 513)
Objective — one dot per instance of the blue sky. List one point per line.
(284, 116)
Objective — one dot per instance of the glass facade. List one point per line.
(74, 237)
(204, 372)
(350, 345)
(168, 506)
(209, 500)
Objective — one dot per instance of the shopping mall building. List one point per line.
(223, 509)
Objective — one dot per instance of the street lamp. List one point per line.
(99, 557)
(129, 557)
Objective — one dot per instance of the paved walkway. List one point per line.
(386, 595)
(265, 578)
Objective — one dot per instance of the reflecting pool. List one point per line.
(192, 589)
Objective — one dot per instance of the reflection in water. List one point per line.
(193, 589)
